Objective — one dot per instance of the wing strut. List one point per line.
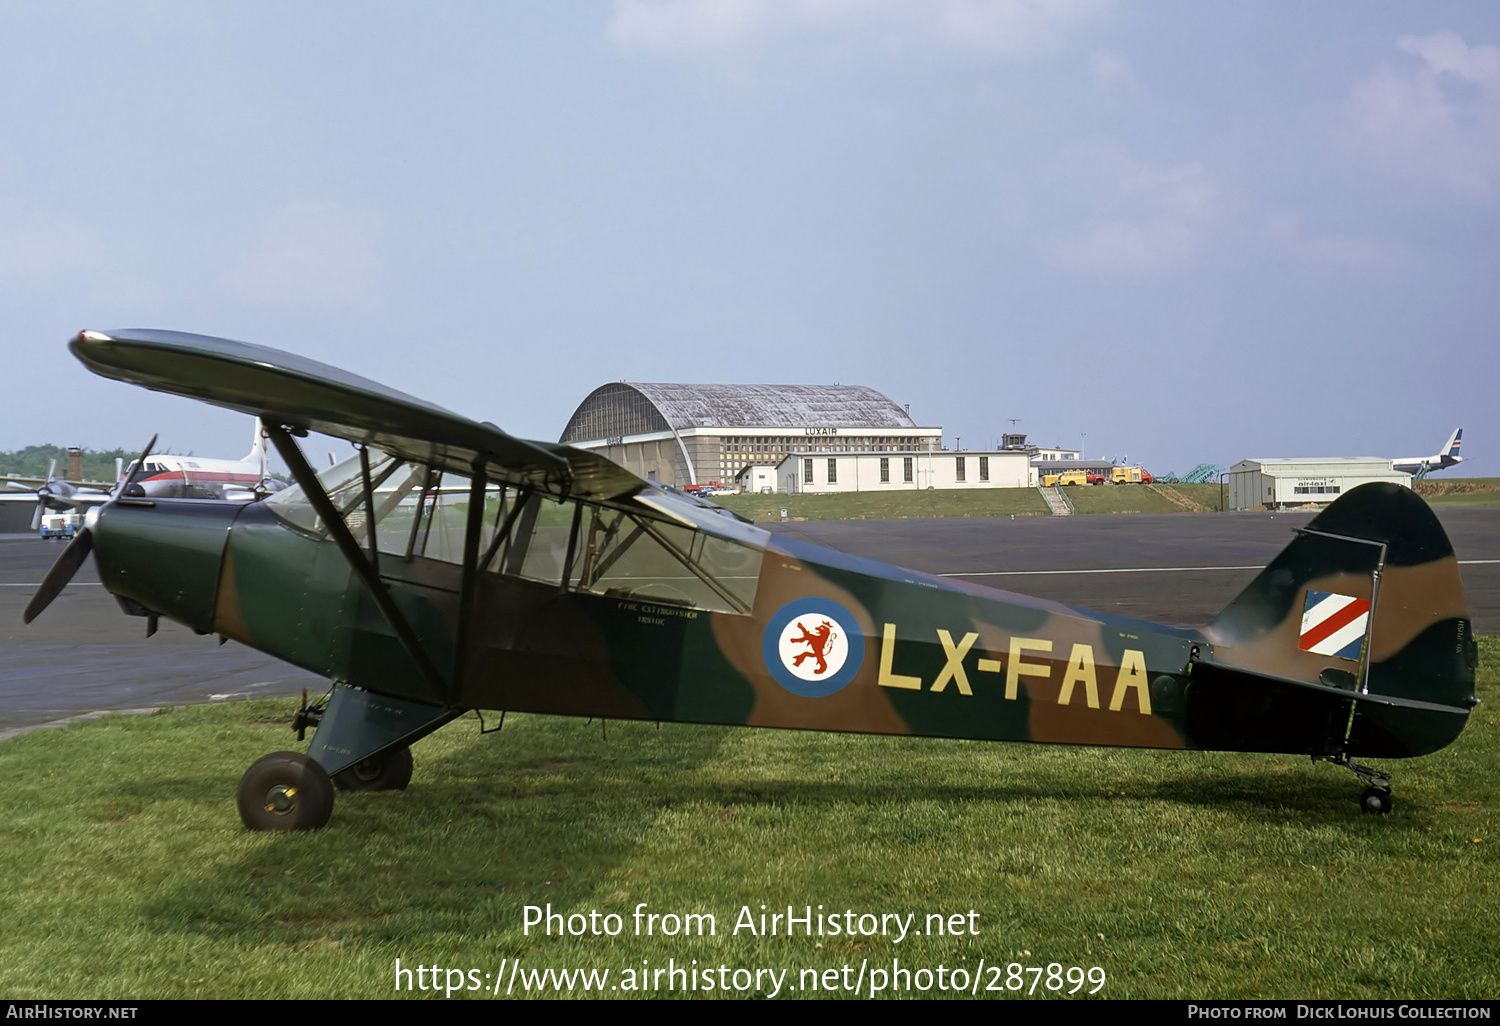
(339, 531)
(470, 569)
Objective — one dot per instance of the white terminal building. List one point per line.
(819, 473)
(1284, 483)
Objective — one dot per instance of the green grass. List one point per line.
(950, 502)
(127, 875)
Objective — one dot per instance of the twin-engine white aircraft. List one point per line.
(161, 477)
(1420, 466)
(188, 477)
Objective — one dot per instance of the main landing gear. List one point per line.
(361, 743)
(388, 771)
(289, 791)
(285, 791)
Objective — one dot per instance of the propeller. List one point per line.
(42, 494)
(79, 548)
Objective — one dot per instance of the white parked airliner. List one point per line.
(1442, 460)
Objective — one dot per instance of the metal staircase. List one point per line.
(1057, 501)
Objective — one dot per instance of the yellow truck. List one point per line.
(1066, 477)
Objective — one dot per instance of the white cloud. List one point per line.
(1141, 246)
(679, 27)
(313, 254)
(1149, 218)
(1348, 251)
(1436, 122)
(1112, 74)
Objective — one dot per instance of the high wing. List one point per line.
(284, 388)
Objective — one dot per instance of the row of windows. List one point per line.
(885, 470)
(960, 470)
(818, 443)
(1316, 490)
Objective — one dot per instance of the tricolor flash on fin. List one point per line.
(1333, 624)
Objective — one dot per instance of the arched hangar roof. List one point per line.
(633, 408)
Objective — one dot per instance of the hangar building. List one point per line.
(697, 434)
(1280, 483)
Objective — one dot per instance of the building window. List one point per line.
(984, 468)
(885, 470)
(906, 470)
(807, 472)
(958, 468)
(833, 471)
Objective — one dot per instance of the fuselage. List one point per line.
(589, 609)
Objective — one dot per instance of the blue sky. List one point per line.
(1180, 231)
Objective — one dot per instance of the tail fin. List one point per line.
(1362, 616)
(1454, 441)
(259, 450)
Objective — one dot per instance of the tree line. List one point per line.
(97, 464)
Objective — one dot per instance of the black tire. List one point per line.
(285, 791)
(1376, 801)
(388, 771)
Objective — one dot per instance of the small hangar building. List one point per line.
(679, 434)
(1284, 483)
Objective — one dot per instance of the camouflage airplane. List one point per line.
(450, 567)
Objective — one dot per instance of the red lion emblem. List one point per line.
(817, 642)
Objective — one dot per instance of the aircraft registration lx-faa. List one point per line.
(449, 567)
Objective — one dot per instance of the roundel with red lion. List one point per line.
(813, 647)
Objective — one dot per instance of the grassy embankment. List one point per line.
(1472, 491)
(127, 874)
(988, 502)
(1000, 502)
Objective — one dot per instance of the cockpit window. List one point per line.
(621, 554)
(600, 550)
(344, 484)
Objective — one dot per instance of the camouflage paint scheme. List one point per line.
(918, 654)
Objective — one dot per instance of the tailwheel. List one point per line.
(285, 791)
(1376, 800)
(388, 771)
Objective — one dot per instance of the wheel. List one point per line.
(388, 771)
(285, 791)
(1376, 800)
